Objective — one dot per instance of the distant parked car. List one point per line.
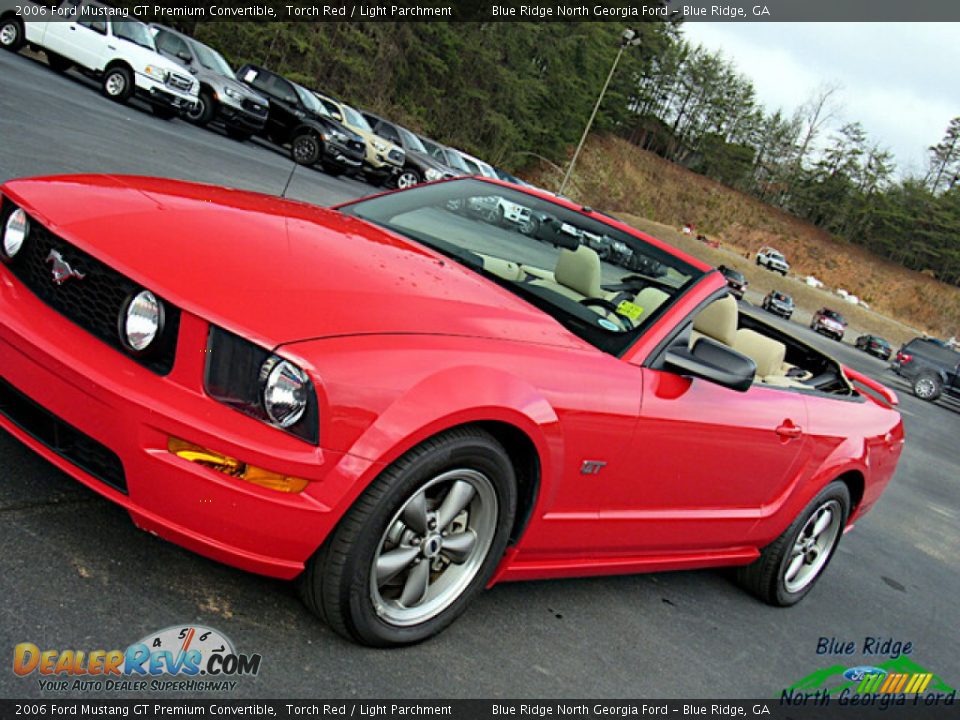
(418, 166)
(829, 322)
(930, 366)
(875, 345)
(778, 303)
(735, 280)
(384, 160)
(773, 259)
(297, 119)
(445, 155)
(222, 97)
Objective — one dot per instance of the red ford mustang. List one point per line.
(405, 399)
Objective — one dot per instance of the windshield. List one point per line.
(134, 31)
(455, 161)
(310, 100)
(211, 59)
(833, 315)
(356, 119)
(411, 141)
(601, 283)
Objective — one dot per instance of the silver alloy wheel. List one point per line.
(811, 549)
(197, 109)
(406, 179)
(925, 388)
(433, 547)
(9, 34)
(115, 85)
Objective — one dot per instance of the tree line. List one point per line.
(515, 93)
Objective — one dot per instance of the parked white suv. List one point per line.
(773, 260)
(117, 50)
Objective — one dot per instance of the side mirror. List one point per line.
(185, 56)
(713, 362)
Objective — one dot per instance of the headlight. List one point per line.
(284, 391)
(141, 321)
(156, 72)
(258, 383)
(338, 136)
(431, 174)
(15, 231)
(231, 93)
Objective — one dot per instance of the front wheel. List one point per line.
(418, 545)
(927, 387)
(305, 149)
(11, 34)
(407, 178)
(118, 84)
(788, 568)
(202, 111)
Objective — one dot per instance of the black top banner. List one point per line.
(626, 11)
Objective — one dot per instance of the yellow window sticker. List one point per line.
(629, 310)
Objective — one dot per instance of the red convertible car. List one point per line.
(397, 403)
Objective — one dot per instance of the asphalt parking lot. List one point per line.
(75, 573)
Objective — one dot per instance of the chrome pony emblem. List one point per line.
(61, 268)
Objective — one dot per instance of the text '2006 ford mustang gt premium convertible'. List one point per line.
(400, 401)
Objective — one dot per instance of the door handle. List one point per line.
(788, 430)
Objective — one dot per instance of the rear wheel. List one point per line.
(788, 568)
(305, 149)
(11, 34)
(927, 386)
(118, 83)
(418, 545)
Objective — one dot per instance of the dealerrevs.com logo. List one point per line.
(179, 658)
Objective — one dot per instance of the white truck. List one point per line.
(773, 259)
(116, 49)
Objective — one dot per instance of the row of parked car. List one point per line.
(179, 75)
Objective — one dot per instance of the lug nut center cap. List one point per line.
(432, 545)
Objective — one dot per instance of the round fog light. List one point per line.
(140, 323)
(284, 392)
(15, 232)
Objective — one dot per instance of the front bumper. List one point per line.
(342, 156)
(233, 115)
(131, 412)
(157, 93)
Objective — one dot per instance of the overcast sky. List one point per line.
(898, 79)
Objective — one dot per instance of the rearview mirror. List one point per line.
(713, 362)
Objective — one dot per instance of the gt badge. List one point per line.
(592, 467)
(61, 268)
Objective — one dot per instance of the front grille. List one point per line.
(254, 106)
(93, 302)
(396, 155)
(62, 438)
(179, 82)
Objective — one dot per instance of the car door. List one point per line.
(282, 115)
(705, 464)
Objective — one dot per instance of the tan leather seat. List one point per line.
(767, 353)
(649, 299)
(577, 274)
(717, 321)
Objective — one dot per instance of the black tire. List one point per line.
(118, 84)
(202, 112)
(408, 177)
(758, 261)
(238, 134)
(164, 112)
(928, 386)
(783, 272)
(338, 583)
(306, 149)
(766, 576)
(11, 34)
(58, 63)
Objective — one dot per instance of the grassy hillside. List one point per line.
(620, 178)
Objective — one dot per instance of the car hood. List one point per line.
(225, 81)
(273, 270)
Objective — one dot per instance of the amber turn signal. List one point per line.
(234, 468)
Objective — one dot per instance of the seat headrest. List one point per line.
(767, 353)
(718, 320)
(579, 270)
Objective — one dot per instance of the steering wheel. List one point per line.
(625, 322)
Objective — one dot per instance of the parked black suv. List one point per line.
(930, 366)
(222, 97)
(298, 119)
(419, 166)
